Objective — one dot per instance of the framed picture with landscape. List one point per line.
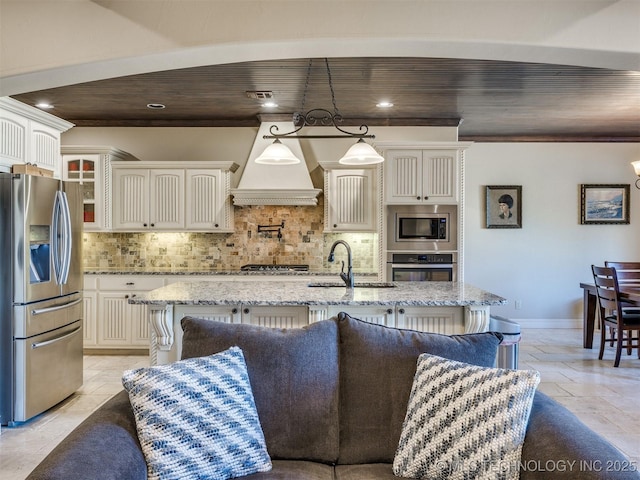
(604, 203)
(504, 206)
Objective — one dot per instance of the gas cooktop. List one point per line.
(259, 267)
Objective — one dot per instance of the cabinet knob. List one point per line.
(389, 311)
(418, 197)
(401, 311)
(144, 225)
(335, 225)
(234, 311)
(153, 224)
(216, 225)
(126, 295)
(130, 283)
(246, 310)
(426, 197)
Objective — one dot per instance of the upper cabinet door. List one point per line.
(131, 199)
(29, 135)
(206, 198)
(166, 208)
(351, 200)
(421, 176)
(403, 176)
(440, 176)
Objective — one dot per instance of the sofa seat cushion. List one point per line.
(294, 378)
(295, 470)
(367, 471)
(464, 421)
(377, 365)
(197, 418)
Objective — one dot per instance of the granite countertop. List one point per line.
(214, 273)
(291, 293)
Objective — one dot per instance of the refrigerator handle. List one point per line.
(68, 238)
(38, 311)
(61, 238)
(56, 237)
(55, 340)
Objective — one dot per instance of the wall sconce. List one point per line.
(636, 167)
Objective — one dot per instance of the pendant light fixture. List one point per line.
(361, 153)
(277, 154)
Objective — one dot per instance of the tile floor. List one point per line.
(604, 397)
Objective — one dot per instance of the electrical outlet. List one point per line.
(518, 304)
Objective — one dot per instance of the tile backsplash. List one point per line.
(302, 242)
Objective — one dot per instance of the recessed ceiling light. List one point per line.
(155, 106)
(269, 104)
(384, 105)
(44, 105)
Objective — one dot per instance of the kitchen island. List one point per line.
(441, 307)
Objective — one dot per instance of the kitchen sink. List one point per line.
(357, 285)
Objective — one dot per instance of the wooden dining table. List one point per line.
(630, 294)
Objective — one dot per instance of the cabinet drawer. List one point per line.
(131, 282)
(90, 282)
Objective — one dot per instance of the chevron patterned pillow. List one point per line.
(197, 418)
(464, 421)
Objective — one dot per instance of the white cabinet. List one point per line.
(117, 324)
(148, 199)
(90, 300)
(90, 166)
(29, 135)
(444, 320)
(350, 200)
(418, 176)
(208, 205)
(275, 316)
(214, 313)
(153, 197)
(380, 315)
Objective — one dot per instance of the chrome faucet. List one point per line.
(347, 278)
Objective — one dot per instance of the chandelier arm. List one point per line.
(273, 129)
(319, 117)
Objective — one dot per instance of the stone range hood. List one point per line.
(275, 184)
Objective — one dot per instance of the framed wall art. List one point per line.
(504, 206)
(604, 204)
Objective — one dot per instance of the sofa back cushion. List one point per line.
(294, 379)
(377, 366)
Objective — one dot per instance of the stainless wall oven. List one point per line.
(421, 267)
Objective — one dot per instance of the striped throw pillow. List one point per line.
(197, 418)
(464, 421)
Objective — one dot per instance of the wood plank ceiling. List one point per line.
(493, 100)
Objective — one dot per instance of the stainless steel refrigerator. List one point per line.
(40, 294)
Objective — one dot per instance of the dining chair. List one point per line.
(621, 323)
(628, 272)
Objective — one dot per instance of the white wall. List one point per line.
(543, 263)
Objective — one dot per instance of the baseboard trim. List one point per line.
(549, 323)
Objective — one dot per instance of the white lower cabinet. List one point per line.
(111, 322)
(380, 315)
(215, 313)
(445, 320)
(89, 324)
(275, 316)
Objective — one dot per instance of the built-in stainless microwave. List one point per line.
(422, 227)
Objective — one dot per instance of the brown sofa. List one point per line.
(331, 398)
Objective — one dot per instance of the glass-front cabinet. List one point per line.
(91, 167)
(82, 169)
